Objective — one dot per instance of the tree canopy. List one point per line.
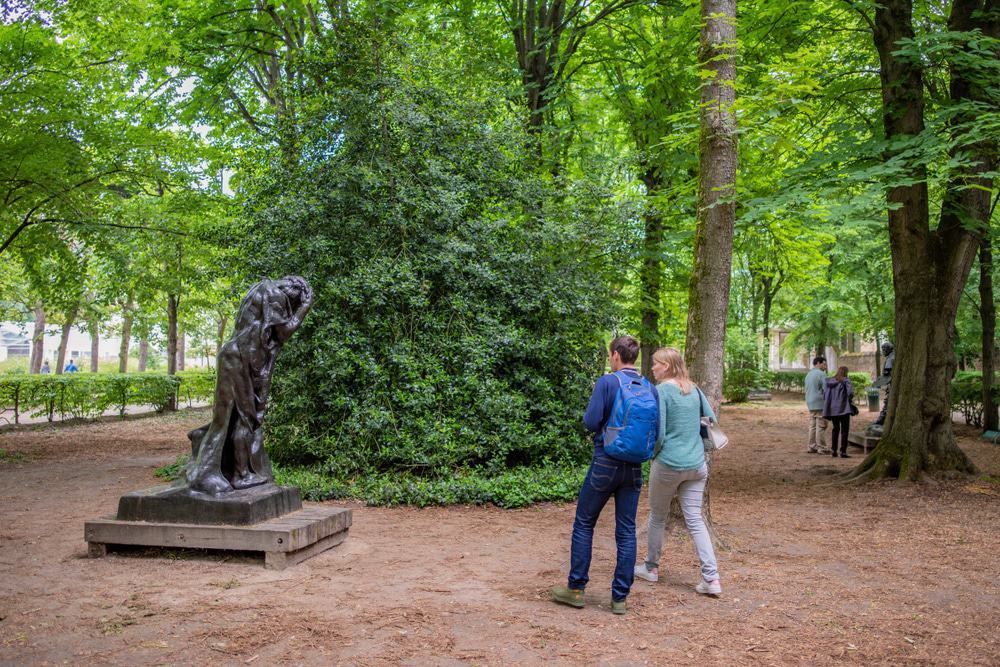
(482, 193)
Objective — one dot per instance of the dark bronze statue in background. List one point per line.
(228, 454)
(885, 380)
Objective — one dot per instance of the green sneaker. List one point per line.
(571, 596)
(618, 607)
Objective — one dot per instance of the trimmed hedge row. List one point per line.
(739, 382)
(967, 395)
(90, 395)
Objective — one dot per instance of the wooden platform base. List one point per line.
(285, 540)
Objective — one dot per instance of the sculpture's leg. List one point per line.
(203, 472)
(885, 407)
(195, 437)
(243, 476)
(259, 462)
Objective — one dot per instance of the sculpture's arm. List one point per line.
(284, 331)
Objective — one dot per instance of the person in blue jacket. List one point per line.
(70, 367)
(606, 477)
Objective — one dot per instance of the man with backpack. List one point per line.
(623, 414)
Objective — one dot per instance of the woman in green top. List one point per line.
(679, 468)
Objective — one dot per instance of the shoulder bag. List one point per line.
(711, 435)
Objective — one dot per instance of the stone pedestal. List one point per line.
(284, 541)
(172, 504)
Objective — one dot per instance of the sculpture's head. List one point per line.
(887, 348)
(296, 289)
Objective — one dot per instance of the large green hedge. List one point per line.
(91, 395)
(459, 320)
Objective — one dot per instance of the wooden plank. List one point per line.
(289, 533)
(279, 560)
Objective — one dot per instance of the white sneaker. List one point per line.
(643, 573)
(709, 587)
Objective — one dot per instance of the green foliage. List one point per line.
(90, 395)
(10, 457)
(744, 371)
(789, 381)
(459, 319)
(196, 386)
(967, 396)
(860, 381)
(516, 487)
(172, 471)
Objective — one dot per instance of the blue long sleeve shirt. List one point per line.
(602, 400)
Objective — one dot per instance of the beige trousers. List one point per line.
(817, 431)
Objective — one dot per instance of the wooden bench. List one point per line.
(859, 439)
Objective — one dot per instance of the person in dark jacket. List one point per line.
(838, 395)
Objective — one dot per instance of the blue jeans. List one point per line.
(607, 477)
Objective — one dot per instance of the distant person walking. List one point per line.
(815, 379)
(610, 477)
(45, 367)
(838, 398)
(679, 468)
(70, 367)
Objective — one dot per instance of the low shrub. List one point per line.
(513, 488)
(517, 487)
(789, 381)
(967, 396)
(739, 382)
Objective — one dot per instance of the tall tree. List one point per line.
(708, 298)
(988, 315)
(930, 266)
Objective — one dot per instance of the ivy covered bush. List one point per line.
(459, 313)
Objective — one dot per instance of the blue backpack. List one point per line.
(630, 434)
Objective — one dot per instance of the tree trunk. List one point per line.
(181, 349)
(143, 353)
(929, 268)
(38, 340)
(95, 344)
(771, 287)
(126, 336)
(172, 341)
(67, 328)
(988, 314)
(708, 296)
(652, 271)
(220, 331)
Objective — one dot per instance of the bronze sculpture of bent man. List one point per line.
(228, 453)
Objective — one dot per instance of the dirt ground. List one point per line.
(815, 572)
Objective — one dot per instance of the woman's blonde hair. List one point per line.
(676, 368)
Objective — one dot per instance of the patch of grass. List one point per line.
(990, 479)
(227, 584)
(172, 471)
(10, 457)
